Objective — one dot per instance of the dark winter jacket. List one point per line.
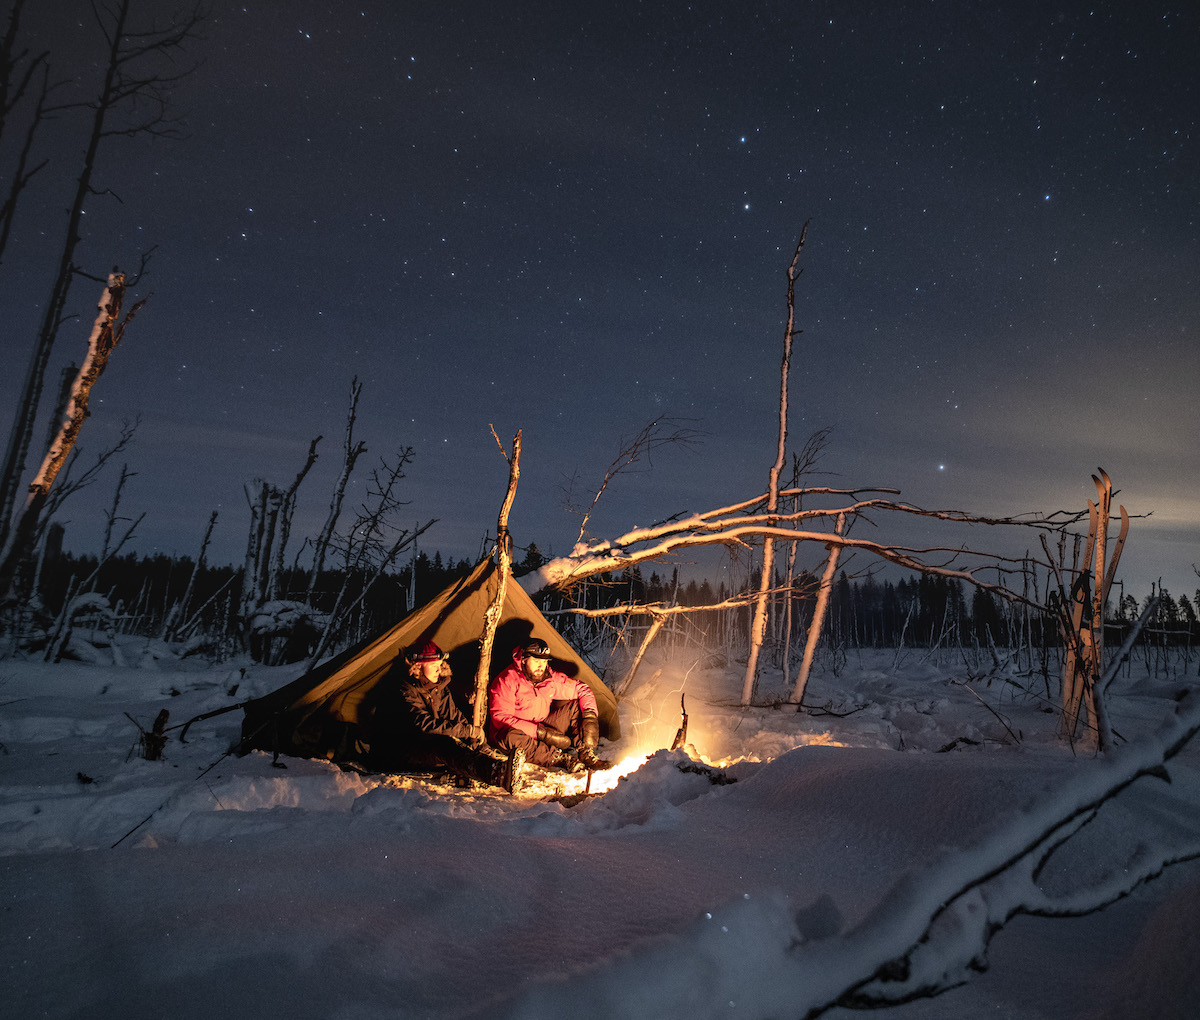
(515, 702)
(430, 709)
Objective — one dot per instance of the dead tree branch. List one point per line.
(644, 544)
(107, 331)
(352, 450)
(758, 626)
(130, 100)
(178, 611)
(814, 628)
(660, 432)
(504, 562)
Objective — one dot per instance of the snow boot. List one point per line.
(513, 768)
(591, 761)
(565, 761)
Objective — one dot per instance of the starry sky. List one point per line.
(575, 219)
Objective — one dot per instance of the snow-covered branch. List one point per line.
(656, 542)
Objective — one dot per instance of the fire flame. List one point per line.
(602, 782)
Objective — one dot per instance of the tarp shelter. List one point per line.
(321, 714)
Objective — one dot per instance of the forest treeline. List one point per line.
(917, 611)
(156, 596)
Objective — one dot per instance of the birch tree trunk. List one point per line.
(789, 612)
(251, 595)
(31, 392)
(106, 333)
(656, 622)
(266, 561)
(127, 84)
(504, 562)
(814, 628)
(758, 626)
(1081, 620)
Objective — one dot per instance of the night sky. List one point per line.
(573, 219)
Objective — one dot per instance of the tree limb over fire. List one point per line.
(733, 525)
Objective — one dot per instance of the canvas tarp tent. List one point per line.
(321, 714)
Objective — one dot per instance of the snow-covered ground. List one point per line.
(775, 860)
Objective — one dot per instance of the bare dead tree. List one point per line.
(367, 553)
(192, 623)
(18, 71)
(737, 525)
(814, 628)
(178, 611)
(639, 447)
(660, 613)
(353, 450)
(271, 512)
(364, 539)
(107, 331)
(504, 562)
(252, 580)
(13, 80)
(1082, 593)
(113, 516)
(68, 482)
(657, 621)
(287, 507)
(789, 601)
(259, 580)
(733, 525)
(803, 464)
(131, 100)
(758, 626)
(83, 594)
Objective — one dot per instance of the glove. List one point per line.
(589, 737)
(555, 738)
(589, 730)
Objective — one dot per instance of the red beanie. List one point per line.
(427, 652)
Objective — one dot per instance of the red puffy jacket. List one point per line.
(515, 702)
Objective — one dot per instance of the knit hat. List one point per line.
(427, 652)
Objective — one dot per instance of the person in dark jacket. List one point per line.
(548, 716)
(428, 729)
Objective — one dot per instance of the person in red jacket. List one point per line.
(542, 713)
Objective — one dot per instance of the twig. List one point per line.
(959, 683)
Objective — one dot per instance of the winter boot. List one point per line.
(567, 761)
(513, 767)
(591, 761)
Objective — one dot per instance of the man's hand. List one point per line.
(555, 738)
